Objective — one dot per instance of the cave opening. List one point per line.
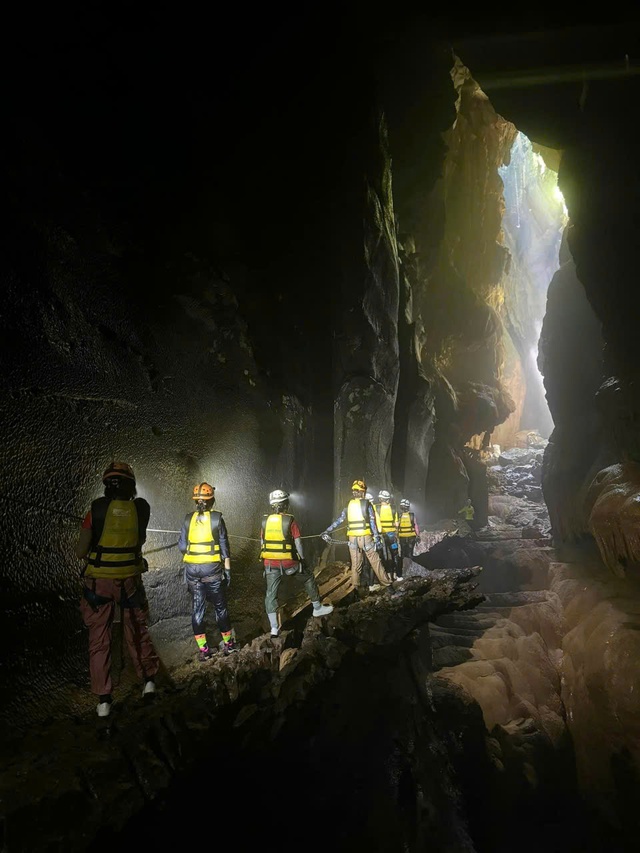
(533, 222)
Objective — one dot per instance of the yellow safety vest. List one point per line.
(203, 541)
(276, 537)
(407, 528)
(385, 517)
(468, 512)
(358, 518)
(117, 552)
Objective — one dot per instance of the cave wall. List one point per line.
(213, 294)
(456, 261)
(587, 356)
(590, 375)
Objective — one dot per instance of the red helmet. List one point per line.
(203, 492)
(119, 469)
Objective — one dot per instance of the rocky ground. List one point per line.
(430, 715)
(322, 687)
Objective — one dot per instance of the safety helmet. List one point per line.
(278, 497)
(384, 495)
(369, 496)
(404, 504)
(119, 470)
(359, 486)
(203, 492)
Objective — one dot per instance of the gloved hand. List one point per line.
(227, 577)
(377, 541)
(326, 536)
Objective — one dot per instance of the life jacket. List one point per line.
(385, 517)
(115, 550)
(203, 538)
(277, 540)
(407, 528)
(358, 518)
(468, 512)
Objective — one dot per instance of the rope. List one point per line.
(162, 548)
(149, 529)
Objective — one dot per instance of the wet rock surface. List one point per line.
(273, 711)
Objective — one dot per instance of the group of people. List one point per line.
(378, 532)
(115, 529)
(111, 539)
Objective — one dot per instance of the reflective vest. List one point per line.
(468, 511)
(385, 517)
(358, 518)
(277, 541)
(203, 540)
(115, 550)
(407, 527)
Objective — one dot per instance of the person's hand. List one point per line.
(327, 537)
(377, 541)
(227, 577)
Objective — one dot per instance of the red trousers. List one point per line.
(98, 617)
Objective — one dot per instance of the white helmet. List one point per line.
(404, 504)
(384, 495)
(369, 496)
(278, 497)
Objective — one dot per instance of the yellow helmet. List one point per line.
(359, 486)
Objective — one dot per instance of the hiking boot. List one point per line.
(323, 610)
(103, 709)
(205, 654)
(230, 647)
(275, 632)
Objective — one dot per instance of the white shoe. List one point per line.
(149, 688)
(103, 709)
(374, 587)
(275, 632)
(323, 610)
(399, 579)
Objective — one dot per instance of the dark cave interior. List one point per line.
(275, 249)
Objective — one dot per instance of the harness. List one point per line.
(117, 531)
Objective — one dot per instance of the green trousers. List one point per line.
(274, 577)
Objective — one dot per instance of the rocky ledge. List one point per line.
(340, 706)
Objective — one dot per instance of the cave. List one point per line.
(287, 253)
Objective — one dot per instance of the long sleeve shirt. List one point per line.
(183, 541)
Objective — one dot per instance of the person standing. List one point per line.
(111, 539)
(363, 535)
(204, 544)
(408, 532)
(282, 554)
(468, 512)
(367, 577)
(386, 519)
